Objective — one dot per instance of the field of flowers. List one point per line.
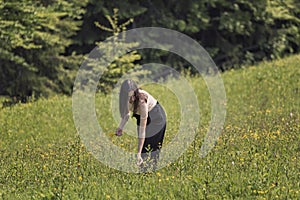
(256, 157)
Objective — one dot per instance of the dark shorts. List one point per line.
(155, 129)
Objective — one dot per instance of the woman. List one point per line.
(150, 120)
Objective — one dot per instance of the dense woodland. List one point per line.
(43, 42)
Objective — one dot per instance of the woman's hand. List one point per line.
(139, 159)
(119, 132)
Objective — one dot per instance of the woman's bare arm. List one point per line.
(122, 124)
(124, 121)
(142, 127)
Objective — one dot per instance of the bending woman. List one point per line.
(150, 120)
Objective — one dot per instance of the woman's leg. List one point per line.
(155, 132)
(151, 150)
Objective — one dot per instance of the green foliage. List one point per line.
(256, 157)
(97, 11)
(33, 39)
(235, 33)
(42, 42)
(120, 65)
(286, 21)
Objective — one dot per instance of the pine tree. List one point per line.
(123, 64)
(33, 38)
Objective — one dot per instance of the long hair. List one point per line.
(126, 86)
(138, 97)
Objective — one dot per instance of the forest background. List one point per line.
(44, 42)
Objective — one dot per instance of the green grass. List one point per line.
(256, 157)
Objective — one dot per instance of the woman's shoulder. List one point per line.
(142, 91)
(143, 96)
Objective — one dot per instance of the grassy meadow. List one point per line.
(256, 157)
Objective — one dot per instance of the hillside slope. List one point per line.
(257, 155)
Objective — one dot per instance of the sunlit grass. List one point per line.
(256, 157)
